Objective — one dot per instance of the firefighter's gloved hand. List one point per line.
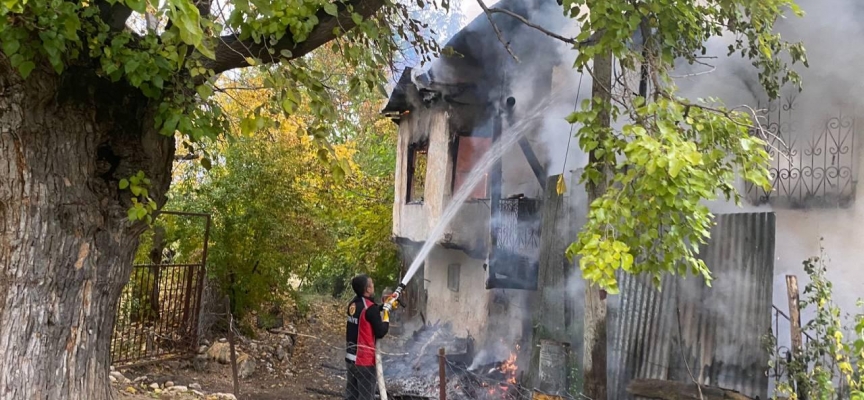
(391, 304)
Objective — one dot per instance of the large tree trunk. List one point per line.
(66, 246)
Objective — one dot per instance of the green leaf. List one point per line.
(205, 91)
(124, 183)
(331, 9)
(11, 46)
(130, 66)
(675, 166)
(137, 5)
(25, 68)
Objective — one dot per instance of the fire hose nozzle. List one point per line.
(398, 291)
(393, 300)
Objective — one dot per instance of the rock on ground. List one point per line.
(246, 366)
(178, 389)
(221, 352)
(221, 396)
(118, 376)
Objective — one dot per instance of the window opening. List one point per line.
(453, 272)
(417, 163)
(469, 151)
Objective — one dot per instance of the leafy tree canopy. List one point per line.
(278, 212)
(668, 153)
(175, 50)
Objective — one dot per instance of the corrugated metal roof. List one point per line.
(722, 327)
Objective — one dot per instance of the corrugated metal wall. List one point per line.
(722, 327)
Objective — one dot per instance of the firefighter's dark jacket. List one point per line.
(364, 326)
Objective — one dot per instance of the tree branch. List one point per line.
(497, 31)
(231, 52)
(186, 157)
(593, 39)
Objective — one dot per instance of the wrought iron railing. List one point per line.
(515, 257)
(518, 225)
(811, 166)
(778, 370)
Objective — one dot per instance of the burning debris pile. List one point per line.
(414, 370)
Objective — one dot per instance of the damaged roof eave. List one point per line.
(397, 103)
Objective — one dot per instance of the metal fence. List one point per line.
(689, 331)
(780, 323)
(157, 315)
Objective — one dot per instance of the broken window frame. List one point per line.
(454, 273)
(410, 193)
(454, 187)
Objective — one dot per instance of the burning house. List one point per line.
(481, 272)
(481, 276)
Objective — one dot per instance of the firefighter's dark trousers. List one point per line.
(361, 382)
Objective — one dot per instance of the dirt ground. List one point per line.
(317, 362)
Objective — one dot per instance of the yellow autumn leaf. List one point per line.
(561, 187)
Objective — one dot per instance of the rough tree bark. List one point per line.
(65, 243)
(66, 246)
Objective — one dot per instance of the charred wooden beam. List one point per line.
(670, 390)
(533, 161)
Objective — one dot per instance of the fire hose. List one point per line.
(390, 304)
(379, 373)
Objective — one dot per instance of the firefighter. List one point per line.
(367, 322)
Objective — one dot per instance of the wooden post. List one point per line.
(442, 375)
(794, 313)
(595, 335)
(496, 179)
(795, 332)
(231, 346)
(533, 162)
(549, 318)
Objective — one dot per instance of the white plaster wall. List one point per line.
(798, 238)
(470, 227)
(409, 220)
(495, 325)
(414, 221)
(465, 309)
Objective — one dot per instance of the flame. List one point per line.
(509, 367)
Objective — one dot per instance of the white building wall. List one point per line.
(465, 309)
(798, 238)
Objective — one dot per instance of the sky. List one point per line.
(471, 9)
